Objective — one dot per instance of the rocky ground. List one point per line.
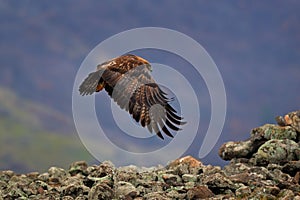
(266, 166)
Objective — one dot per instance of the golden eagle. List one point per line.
(128, 81)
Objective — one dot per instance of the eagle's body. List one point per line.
(128, 81)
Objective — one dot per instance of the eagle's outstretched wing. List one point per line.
(128, 81)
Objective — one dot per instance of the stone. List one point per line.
(125, 190)
(199, 192)
(101, 191)
(78, 167)
(291, 119)
(185, 165)
(276, 151)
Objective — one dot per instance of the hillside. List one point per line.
(28, 142)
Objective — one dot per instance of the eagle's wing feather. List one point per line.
(89, 85)
(149, 106)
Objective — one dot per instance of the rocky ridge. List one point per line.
(266, 166)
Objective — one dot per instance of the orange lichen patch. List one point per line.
(100, 87)
(40, 190)
(288, 120)
(192, 162)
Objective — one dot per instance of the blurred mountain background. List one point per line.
(255, 44)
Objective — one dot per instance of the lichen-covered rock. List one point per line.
(56, 172)
(262, 193)
(261, 148)
(78, 167)
(271, 131)
(232, 150)
(104, 169)
(199, 192)
(74, 186)
(291, 167)
(276, 151)
(268, 163)
(128, 174)
(174, 193)
(67, 198)
(189, 178)
(56, 176)
(291, 119)
(286, 194)
(156, 196)
(36, 187)
(125, 190)
(219, 183)
(172, 179)
(101, 191)
(243, 192)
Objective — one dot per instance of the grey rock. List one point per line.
(286, 194)
(156, 196)
(81, 197)
(189, 178)
(43, 177)
(276, 151)
(104, 169)
(6, 175)
(291, 167)
(67, 198)
(174, 194)
(258, 137)
(291, 119)
(73, 186)
(199, 192)
(78, 167)
(172, 179)
(101, 191)
(271, 131)
(127, 174)
(218, 183)
(125, 190)
(56, 172)
(232, 150)
(243, 192)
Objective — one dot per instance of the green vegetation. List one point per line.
(28, 143)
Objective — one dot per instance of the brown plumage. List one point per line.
(128, 81)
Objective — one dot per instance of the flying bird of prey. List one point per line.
(128, 81)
